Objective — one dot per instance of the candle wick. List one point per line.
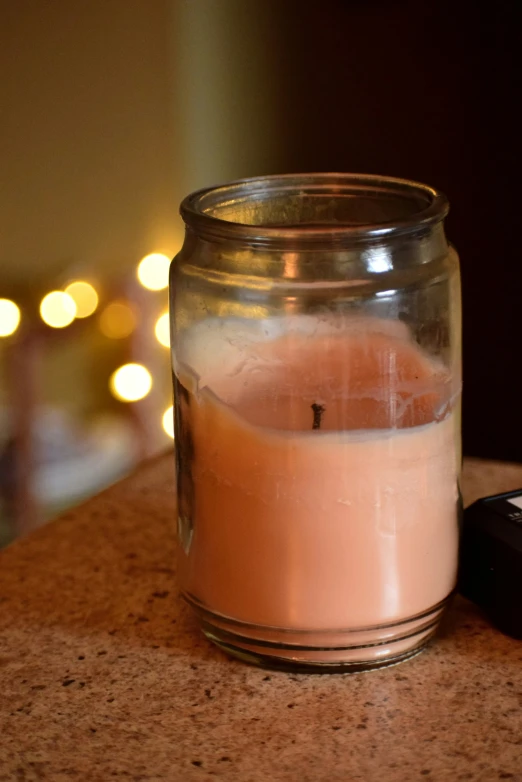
(318, 412)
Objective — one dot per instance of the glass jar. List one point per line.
(316, 348)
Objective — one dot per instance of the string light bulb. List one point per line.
(153, 271)
(130, 382)
(84, 296)
(168, 421)
(9, 317)
(118, 320)
(162, 330)
(58, 309)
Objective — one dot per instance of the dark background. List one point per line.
(426, 91)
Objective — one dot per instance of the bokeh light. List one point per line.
(58, 309)
(84, 296)
(162, 330)
(9, 317)
(130, 382)
(168, 421)
(153, 271)
(118, 320)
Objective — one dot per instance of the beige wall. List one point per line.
(225, 58)
(111, 111)
(86, 138)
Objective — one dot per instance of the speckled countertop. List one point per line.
(103, 675)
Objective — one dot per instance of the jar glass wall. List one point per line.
(316, 356)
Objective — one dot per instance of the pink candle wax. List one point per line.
(350, 524)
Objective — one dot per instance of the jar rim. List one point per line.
(200, 209)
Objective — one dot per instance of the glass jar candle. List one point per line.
(316, 349)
